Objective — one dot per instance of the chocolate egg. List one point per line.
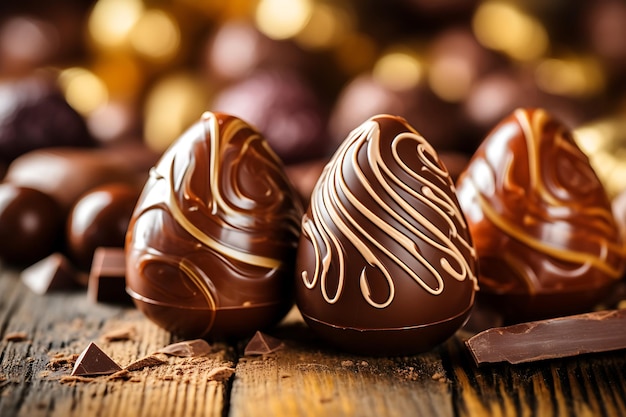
(541, 221)
(385, 264)
(211, 244)
(100, 218)
(30, 224)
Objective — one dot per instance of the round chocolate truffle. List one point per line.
(284, 107)
(36, 115)
(386, 264)
(100, 218)
(30, 224)
(547, 241)
(211, 244)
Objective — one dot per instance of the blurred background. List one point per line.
(306, 72)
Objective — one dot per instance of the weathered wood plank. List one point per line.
(63, 324)
(307, 379)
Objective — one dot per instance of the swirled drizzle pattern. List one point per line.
(378, 179)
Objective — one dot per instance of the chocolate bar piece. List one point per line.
(187, 349)
(107, 277)
(596, 332)
(93, 361)
(262, 344)
(52, 273)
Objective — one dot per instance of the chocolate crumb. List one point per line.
(147, 362)
(120, 334)
(347, 363)
(16, 336)
(262, 344)
(119, 375)
(221, 373)
(188, 348)
(71, 379)
(61, 360)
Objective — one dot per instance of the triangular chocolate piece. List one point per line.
(52, 273)
(93, 361)
(262, 344)
(188, 348)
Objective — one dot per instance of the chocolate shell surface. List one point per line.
(29, 224)
(100, 219)
(545, 236)
(211, 244)
(385, 263)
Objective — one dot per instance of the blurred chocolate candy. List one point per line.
(100, 218)
(284, 107)
(30, 224)
(35, 115)
(67, 173)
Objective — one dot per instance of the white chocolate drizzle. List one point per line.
(333, 200)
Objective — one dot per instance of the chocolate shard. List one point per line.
(52, 273)
(187, 348)
(595, 332)
(262, 344)
(107, 277)
(147, 362)
(93, 361)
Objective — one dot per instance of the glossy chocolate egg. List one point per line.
(100, 218)
(30, 224)
(545, 236)
(212, 241)
(385, 263)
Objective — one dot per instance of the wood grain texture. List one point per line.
(304, 378)
(60, 325)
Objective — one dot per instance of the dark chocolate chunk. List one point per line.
(187, 348)
(596, 332)
(262, 344)
(107, 277)
(52, 273)
(93, 361)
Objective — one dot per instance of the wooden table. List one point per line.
(305, 378)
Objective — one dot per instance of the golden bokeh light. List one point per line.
(83, 90)
(327, 26)
(570, 77)
(355, 53)
(282, 19)
(450, 78)
(172, 105)
(505, 28)
(156, 35)
(111, 21)
(399, 70)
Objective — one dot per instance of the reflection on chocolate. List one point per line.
(212, 241)
(284, 108)
(35, 115)
(100, 218)
(68, 173)
(385, 264)
(30, 224)
(542, 225)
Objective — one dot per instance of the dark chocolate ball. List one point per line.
(547, 241)
(35, 115)
(100, 218)
(211, 245)
(30, 224)
(386, 264)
